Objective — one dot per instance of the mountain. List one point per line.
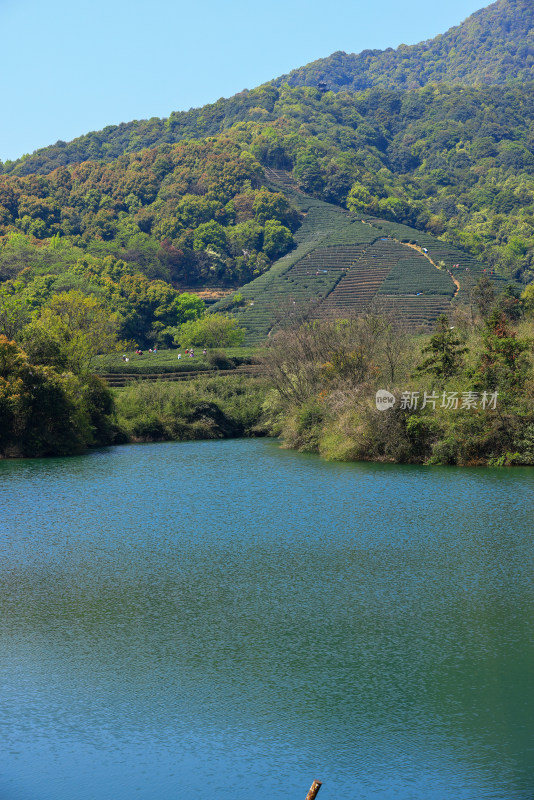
(206, 215)
(456, 162)
(493, 46)
(294, 193)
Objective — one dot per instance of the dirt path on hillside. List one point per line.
(421, 252)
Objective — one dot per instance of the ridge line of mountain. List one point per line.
(494, 46)
(445, 57)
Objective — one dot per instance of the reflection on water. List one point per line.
(195, 620)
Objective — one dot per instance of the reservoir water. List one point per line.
(229, 620)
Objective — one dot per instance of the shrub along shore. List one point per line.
(204, 408)
(366, 389)
(353, 389)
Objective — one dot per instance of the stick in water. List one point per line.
(314, 789)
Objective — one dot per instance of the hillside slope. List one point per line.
(181, 199)
(493, 46)
(456, 162)
(344, 265)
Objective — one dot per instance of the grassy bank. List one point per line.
(205, 408)
(464, 395)
(319, 386)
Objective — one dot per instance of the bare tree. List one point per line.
(394, 346)
(324, 354)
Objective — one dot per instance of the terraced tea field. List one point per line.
(395, 279)
(343, 266)
(305, 276)
(463, 267)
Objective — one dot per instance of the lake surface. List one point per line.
(230, 620)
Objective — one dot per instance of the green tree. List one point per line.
(189, 307)
(211, 330)
(14, 312)
(277, 239)
(360, 200)
(272, 205)
(70, 331)
(483, 296)
(308, 171)
(210, 236)
(528, 299)
(245, 236)
(193, 211)
(444, 352)
(504, 362)
(510, 303)
(41, 413)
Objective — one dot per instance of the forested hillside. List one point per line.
(136, 232)
(142, 212)
(458, 163)
(493, 46)
(345, 266)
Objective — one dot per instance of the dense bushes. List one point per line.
(44, 413)
(460, 396)
(213, 408)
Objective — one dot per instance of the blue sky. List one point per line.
(72, 67)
